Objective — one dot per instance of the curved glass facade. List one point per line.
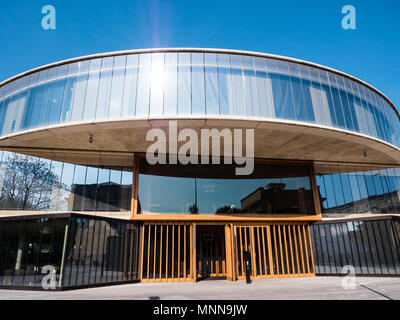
(194, 84)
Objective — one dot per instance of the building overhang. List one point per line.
(114, 142)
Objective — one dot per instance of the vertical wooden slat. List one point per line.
(166, 253)
(291, 247)
(148, 253)
(259, 251)
(155, 251)
(306, 249)
(179, 251)
(210, 256)
(184, 251)
(217, 256)
(278, 268)
(201, 259)
(207, 257)
(236, 257)
(227, 251)
(270, 258)
(286, 250)
(190, 251)
(246, 247)
(280, 249)
(297, 251)
(253, 251)
(264, 253)
(241, 250)
(173, 253)
(193, 255)
(141, 250)
(301, 249)
(161, 248)
(223, 258)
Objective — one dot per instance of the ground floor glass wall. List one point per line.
(100, 251)
(372, 247)
(28, 245)
(79, 250)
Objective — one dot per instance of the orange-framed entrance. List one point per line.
(187, 251)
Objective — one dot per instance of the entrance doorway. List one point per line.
(187, 251)
(211, 255)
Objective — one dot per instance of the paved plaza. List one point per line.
(327, 288)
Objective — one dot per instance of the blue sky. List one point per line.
(308, 29)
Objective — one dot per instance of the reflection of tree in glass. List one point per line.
(28, 183)
(193, 209)
(228, 209)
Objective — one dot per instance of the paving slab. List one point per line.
(307, 288)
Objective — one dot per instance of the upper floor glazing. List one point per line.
(168, 83)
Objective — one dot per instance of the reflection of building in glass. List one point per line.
(275, 199)
(77, 192)
(107, 196)
(384, 203)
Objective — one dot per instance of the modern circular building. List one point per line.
(82, 205)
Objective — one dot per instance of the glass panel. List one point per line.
(337, 103)
(184, 84)
(65, 202)
(238, 92)
(250, 84)
(78, 187)
(114, 198)
(297, 92)
(117, 87)
(57, 188)
(171, 84)
(212, 98)
(264, 89)
(92, 90)
(330, 193)
(32, 110)
(225, 85)
(57, 102)
(130, 86)
(157, 84)
(213, 189)
(103, 100)
(198, 88)
(273, 74)
(286, 90)
(89, 189)
(126, 192)
(102, 189)
(68, 93)
(79, 91)
(325, 87)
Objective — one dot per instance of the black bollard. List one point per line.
(247, 262)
